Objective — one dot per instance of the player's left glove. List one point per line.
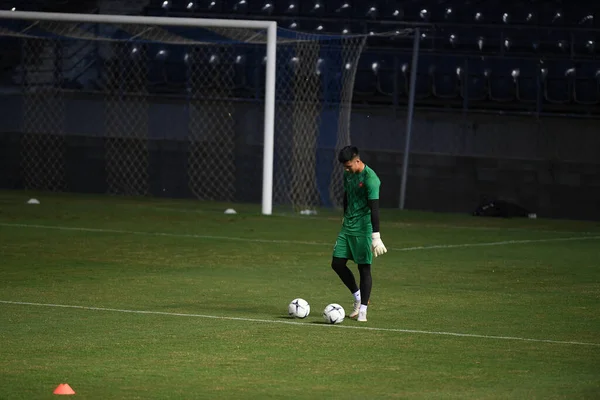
(377, 244)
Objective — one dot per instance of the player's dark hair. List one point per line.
(348, 153)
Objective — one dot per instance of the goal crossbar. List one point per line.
(269, 26)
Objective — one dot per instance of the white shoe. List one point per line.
(362, 316)
(356, 309)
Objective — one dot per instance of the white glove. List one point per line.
(377, 244)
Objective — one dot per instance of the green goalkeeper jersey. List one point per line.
(360, 188)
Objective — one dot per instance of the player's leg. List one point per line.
(361, 247)
(345, 274)
(341, 254)
(366, 283)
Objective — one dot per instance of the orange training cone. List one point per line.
(63, 388)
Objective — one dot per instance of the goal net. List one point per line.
(143, 90)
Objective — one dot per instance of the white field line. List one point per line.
(299, 242)
(269, 321)
(180, 235)
(504, 242)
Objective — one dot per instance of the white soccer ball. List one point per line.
(299, 308)
(334, 314)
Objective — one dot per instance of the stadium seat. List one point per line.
(423, 78)
(386, 84)
(502, 81)
(527, 82)
(461, 69)
(477, 83)
(587, 83)
(365, 83)
(446, 73)
(558, 86)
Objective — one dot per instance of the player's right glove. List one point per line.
(377, 244)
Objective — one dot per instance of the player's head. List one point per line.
(350, 159)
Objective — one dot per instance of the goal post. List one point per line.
(301, 84)
(269, 26)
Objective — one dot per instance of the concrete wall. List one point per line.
(549, 165)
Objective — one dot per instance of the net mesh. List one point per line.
(221, 70)
(211, 160)
(43, 140)
(126, 121)
(315, 80)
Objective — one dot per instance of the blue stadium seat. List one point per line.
(558, 87)
(423, 80)
(477, 83)
(155, 8)
(528, 87)
(308, 8)
(502, 83)
(166, 71)
(585, 43)
(365, 82)
(557, 42)
(251, 7)
(386, 85)
(587, 83)
(368, 9)
(445, 79)
(179, 5)
(243, 71)
(336, 8)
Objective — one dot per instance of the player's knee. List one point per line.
(338, 263)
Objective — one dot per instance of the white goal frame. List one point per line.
(269, 26)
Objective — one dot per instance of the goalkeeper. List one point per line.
(359, 238)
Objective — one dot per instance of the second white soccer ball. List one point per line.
(334, 314)
(299, 308)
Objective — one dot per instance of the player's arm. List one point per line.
(373, 201)
(374, 206)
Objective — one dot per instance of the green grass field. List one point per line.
(127, 298)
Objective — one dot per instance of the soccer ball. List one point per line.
(299, 308)
(334, 314)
